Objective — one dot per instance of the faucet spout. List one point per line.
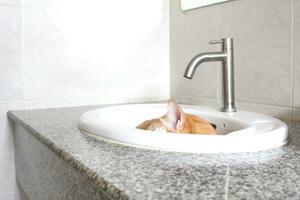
(226, 56)
(201, 58)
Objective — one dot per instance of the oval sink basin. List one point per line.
(241, 131)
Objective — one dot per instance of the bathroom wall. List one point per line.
(56, 53)
(267, 54)
(67, 53)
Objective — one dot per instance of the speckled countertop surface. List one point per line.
(134, 173)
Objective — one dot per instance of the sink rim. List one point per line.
(230, 143)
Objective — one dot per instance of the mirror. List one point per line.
(192, 4)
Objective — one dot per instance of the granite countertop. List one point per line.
(134, 173)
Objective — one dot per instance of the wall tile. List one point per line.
(10, 53)
(7, 169)
(196, 100)
(97, 52)
(45, 55)
(296, 41)
(108, 5)
(276, 111)
(262, 33)
(190, 34)
(97, 100)
(296, 114)
(17, 195)
(10, 2)
(280, 112)
(68, 3)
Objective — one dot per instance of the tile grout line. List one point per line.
(292, 62)
(218, 66)
(169, 48)
(22, 55)
(9, 5)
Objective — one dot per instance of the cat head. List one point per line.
(177, 121)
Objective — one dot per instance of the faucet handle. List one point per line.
(216, 42)
(227, 43)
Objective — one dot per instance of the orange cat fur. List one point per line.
(176, 121)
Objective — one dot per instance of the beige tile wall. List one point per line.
(183, 31)
(267, 68)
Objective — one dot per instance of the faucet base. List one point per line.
(228, 110)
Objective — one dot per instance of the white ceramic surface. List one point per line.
(238, 132)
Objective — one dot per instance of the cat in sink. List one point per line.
(176, 121)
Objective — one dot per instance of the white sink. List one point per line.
(241, 131)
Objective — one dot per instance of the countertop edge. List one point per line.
(109, 189)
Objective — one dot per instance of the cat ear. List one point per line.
(175, 115)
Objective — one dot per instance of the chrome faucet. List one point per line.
(226, 56)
